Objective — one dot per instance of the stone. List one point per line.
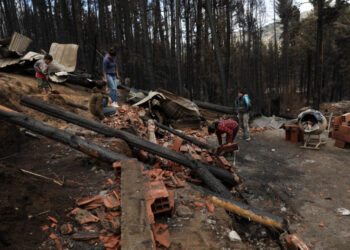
(184, 211)
(66, 229)
(211, 222)
(233, 236)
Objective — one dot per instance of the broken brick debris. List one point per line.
(52, 219)
(57, 240)
(161, 235)
(66, 229)
(210, 207)
(158, 198)
(177, 144)
(83, 216)
(293, 133)
(341, 130)
(293, 242)
(86, 200)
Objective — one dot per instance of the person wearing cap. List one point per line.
(41, 68)
(111, 75)
(228, 127)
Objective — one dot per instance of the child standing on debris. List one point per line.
(228, 127)
(111, 74)
(41, 68)
(99, 102)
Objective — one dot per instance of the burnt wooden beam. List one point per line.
(243, 210)
(202, 171)
(75, 105)
(59, 135)
(135, 227)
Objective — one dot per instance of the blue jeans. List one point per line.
(112, 85)
(108, 111)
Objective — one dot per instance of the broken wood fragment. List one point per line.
(85, 235)
(44, 177)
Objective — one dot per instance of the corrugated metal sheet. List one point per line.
(30, 56)
(65, 54)
(8, 61)
(19, 43)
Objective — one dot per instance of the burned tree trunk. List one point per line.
(64, 137)
(200, 169)
(215, 107)
(217, 49)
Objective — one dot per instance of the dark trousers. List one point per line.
(235, 131)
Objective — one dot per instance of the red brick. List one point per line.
(177, 144)
(337, 120)
(344, 130)
(196, 157)
(340, 144)
(341, 136)
(184, 148)
(345, 119)
(209, 159)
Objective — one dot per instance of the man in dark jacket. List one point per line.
(242, 105)
(98, 104)
(228, 127)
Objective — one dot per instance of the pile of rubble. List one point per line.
(141, 192)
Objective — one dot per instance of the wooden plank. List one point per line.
(135, 228)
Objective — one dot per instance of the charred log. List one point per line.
(215, 107)
(62, 136)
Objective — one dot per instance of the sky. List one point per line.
(304, 5)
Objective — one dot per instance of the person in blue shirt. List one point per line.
(243, 105)
(111, 75)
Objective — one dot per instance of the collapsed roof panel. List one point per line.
(189, 107)
(19, 43)
(65, 54)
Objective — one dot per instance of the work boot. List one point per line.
(248, 139)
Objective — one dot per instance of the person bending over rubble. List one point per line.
(111, 74)
(228, 127)
(99, 102)
(41, 68)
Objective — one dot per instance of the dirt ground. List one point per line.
(305, 186)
